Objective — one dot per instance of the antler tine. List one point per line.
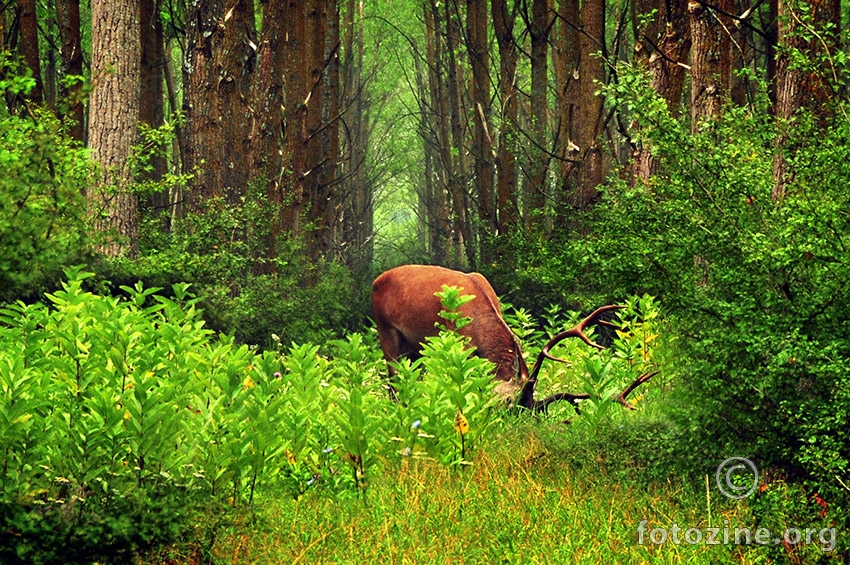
(621, 398)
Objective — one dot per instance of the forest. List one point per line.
(196, 196)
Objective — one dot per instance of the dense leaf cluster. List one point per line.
(754, 286)
(42, 210)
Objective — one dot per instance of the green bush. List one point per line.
(218, 252)
(121, 419)
(42, 211)
(754, 289)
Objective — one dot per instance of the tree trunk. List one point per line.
(565, 66)
(664, 50)
(219, 60)
(801, 86)
(711, 59)
(29, 45)
(503, 24)
(321, 126)
(463, 241)
(152, 100)
(291, 196)
(357, 188)
(538, 160)
(435, 126)
(68, 19)
(590, 171)
(114, 114)
(482, 143)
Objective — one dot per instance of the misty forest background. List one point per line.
(278, 156)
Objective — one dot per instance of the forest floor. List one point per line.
(545, 493)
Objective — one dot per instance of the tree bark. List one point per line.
(565, 66)
(68, 19)
(590, 171)
(507, 200)
(358, 212)
(219, 60)
(482, 143)
(711, 59)
(437, 136)
(806, 86)
(321, 126)
(538, 159)
(664, 49)
(114, 114)
(29, 45)
(152, 98)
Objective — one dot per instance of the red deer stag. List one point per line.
(406, 311)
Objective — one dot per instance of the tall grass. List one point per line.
(536, 495)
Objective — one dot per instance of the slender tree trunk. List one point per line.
(291, 195)
(68, 19)
(538, 162)
(503, 23)
(50, 55)
(114, 107)
(357, 191)
(464, 243)
(742, 55)
(29, 45)
(152, 99)
(482, 142)
(435, 125)
(565, 66)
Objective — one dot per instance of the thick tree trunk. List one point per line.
(664, 50)
(320, 127)
(711, 59)
(28, 24)
(114, 114)
(590, 169)
(291, 196)
(219, 60)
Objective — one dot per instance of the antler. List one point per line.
(527, 394)
(574, 399)
(575, 331)
(526, 397)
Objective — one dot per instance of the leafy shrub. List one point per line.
(120, 419)
(217, 251)
(42, 211)
(754, 288)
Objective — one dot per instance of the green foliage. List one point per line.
(42, 212)
(122, 419)
(755, 287)
(218, 252)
